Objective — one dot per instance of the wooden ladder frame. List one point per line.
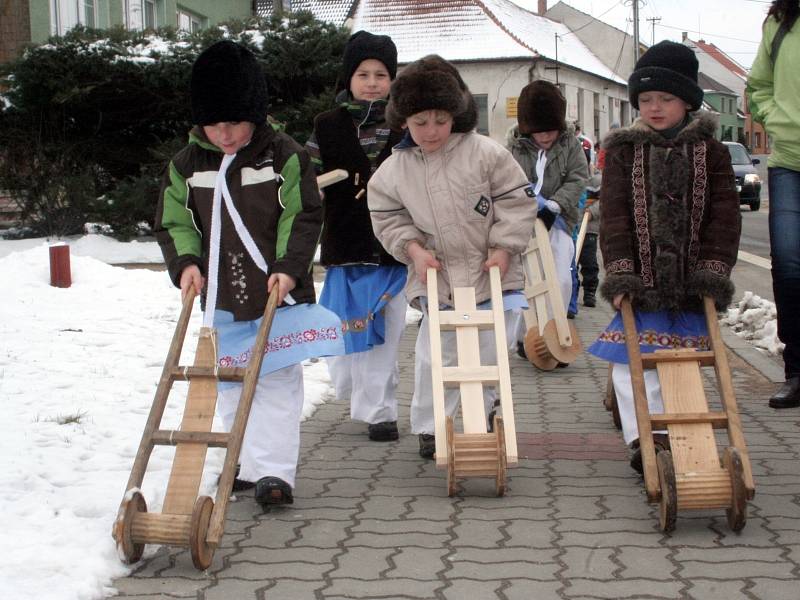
(548, 340)
(476, 452)
(186, 519)
(691, 474)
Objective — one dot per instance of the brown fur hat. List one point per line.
(431, 83)
(541, 107)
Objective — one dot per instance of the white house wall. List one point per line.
(502, 80)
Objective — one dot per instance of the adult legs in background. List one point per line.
(784, 236)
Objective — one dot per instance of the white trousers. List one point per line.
(369, 378)
(271, 444)
(563, 248)
(623, 388)
(422, 400)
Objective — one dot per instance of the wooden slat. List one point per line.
(651, 483)
(473, 412)
(451, 319)
(581, 235)
(717, 420)
(214, 439)
(727, 394)
(503, 367)
(198, 415)
(650, 360)
(483, 374)
(694, 447)
(557, 306)
(222, 374)
(434, 333)
(331, 177)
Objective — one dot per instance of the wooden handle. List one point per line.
(331, 177)
(581, 236)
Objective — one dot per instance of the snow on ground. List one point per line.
(755, 319)
(78, 371)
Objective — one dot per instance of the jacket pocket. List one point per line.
(479, 202)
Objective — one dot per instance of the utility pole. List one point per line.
(653, 21)
(635, 31)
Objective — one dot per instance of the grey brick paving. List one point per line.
(373, 520)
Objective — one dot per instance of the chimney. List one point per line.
(542, 7)
(684, 36)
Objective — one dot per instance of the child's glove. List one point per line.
(547, 216)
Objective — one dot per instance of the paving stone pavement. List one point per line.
(373, 520)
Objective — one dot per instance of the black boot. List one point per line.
(383, 432)
(589, 299)
(788, 396)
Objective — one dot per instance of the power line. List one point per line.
(724, 37)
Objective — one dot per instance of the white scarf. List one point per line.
(541, 161)
(221, 192)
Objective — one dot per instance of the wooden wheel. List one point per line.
(452, 487)
(611, 397)
(202, 553)
(537, 352)
(500, 432)
(130, 551)
(668, 510)
(737, 513)
(560, 353)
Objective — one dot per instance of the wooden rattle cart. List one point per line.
(550, 338)
(477, 452)
(186, 519)
(690, 475)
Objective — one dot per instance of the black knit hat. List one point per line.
(541, 107)
(667, 67)
(431, 83)
(363, 45)
(228, 85)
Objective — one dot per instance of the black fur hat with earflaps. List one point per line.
(431, 83)
(541, 107)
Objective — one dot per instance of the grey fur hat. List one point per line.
(431, 83)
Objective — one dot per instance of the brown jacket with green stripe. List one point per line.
(273, 188)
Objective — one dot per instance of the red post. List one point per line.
(60, 275)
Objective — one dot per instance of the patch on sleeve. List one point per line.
(483, 206)
(529, 192)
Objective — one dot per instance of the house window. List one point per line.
(189, 21)
(758, 139)
(149, 14)
(142, 14)
(66, 14)
(482, 102)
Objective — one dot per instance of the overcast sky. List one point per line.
(732, 25)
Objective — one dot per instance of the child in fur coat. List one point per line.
(669, 223)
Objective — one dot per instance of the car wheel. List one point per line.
(755, 204)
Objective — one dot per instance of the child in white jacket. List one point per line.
(450, 199)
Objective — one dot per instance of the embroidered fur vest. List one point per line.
(669, 217)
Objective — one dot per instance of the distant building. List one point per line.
(722, 68)
(723, 101)
(33, 21)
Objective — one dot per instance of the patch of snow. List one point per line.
(756, 320)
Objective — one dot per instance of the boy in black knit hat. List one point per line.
(669, 223)
(453, 200)
(239, 214)
(363, 283)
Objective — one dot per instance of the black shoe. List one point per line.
(589, 301)
(788, 396)
(383, 432)
(427, 445)
(570, 315)
(273, 491)
(239, 485)
(492, 414)
(521, 351)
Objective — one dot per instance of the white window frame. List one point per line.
(66, 14)
(188, 21)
